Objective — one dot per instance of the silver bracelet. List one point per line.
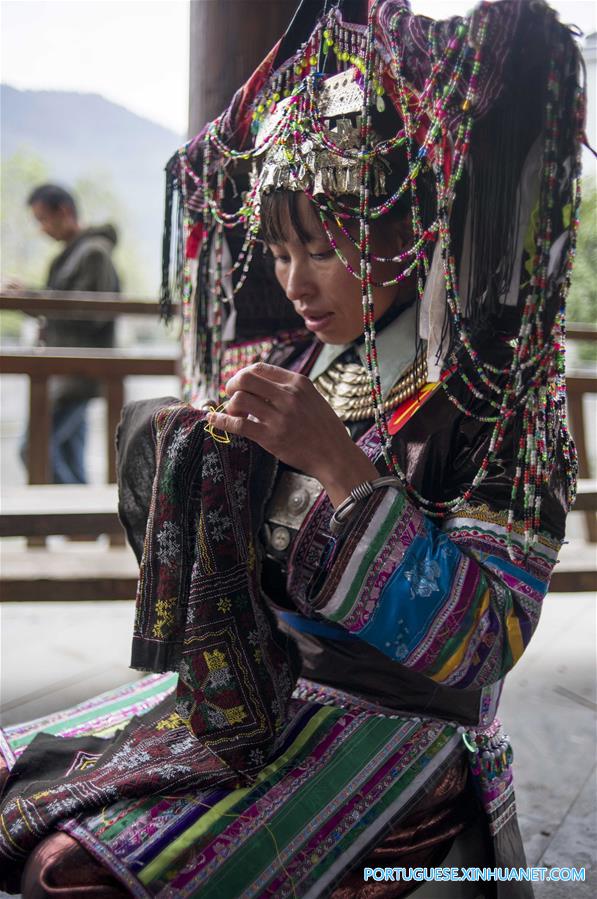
(357, 495)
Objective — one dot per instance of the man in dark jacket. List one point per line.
(85, 264)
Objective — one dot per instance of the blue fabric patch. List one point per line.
(520, 573)
(314, 626)
(415, 591)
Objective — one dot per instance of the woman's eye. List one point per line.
(326, 254)
(279, 258)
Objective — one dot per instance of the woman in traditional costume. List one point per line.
(377, 503)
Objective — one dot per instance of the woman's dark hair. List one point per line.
(53, 196)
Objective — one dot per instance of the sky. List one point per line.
(135, 52)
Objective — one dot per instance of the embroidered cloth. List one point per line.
(199, 611)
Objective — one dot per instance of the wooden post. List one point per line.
(39, 431)
(229, 38)
(38, 440)
(114, 389)
(577, 427)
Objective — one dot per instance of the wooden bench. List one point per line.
(76, 572)
(586, 496)
(41, 510)
(576, 570)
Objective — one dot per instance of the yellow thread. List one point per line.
(170, 722)
(458, 655)
(23, 816)
(215, 660)
(251, 558)
(235, 715)
(266, 827)
(110, 823)
(7, 833)
(164, 615)
(306, 734)
(209, 428)
(515, 637)
(202, 548)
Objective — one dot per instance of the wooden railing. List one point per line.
(85, 305)
(42, 575)
(111, 366)
(108, 366)
(579, 385)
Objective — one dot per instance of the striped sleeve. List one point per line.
(446, 602)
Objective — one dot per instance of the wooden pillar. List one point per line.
(39, 431)
(39, 469)
(114, 392)
(229, 38)
(577, 427)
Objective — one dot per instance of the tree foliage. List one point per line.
(582, 299)
(26, 253)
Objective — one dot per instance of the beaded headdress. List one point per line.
(492, 267)
(297, 160)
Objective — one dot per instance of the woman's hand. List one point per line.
(293, 422)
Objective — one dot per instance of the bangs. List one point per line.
(280, 214)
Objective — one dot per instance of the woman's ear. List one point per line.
(392, 235)
(403, 231)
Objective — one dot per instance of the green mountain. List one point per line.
(112, 158)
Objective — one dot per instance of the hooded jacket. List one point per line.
(85, 264)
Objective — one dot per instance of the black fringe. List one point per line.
(165, 290)
(499, 147)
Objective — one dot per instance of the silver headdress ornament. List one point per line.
(306, 163)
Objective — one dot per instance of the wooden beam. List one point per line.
(85, 305)
(577, 387)
(563, 581)
(41, 362)
(586, 496)
(581, 331)
(91, 524)
(69, 509)
(73, 575)
(576, 569)
(68, 590)
(579, 382)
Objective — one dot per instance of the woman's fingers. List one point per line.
(246, 415)
(277, 409)
(269, 382)
(233, 424)
(248, 381)
(274, 373)
(243, 404)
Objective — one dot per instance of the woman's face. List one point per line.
(318, 285)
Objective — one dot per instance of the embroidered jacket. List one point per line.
(438, 606)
